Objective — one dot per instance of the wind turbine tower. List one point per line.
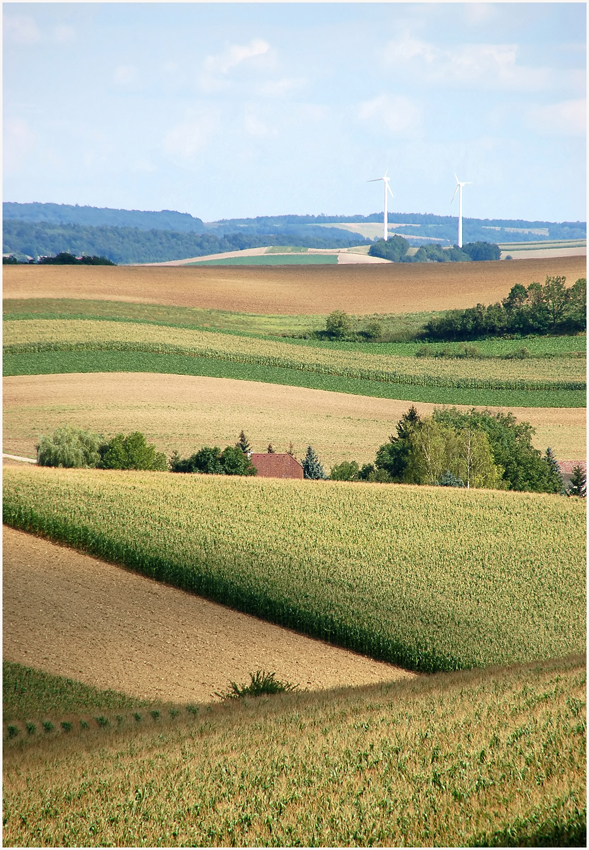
(387, 188)
(458, 189)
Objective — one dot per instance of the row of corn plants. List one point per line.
(62, 335)
(429, 578)
(59, 362)
(477, 758)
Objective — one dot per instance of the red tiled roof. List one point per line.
(274, 465)
(567, 466)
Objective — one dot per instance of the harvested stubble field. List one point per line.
(184, 412)
(362, 289)
(477, 758)
(72, 615)
(47, 335)
(428, 579)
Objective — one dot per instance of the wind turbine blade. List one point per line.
(455, 190)
(376, 179)
(457, 180)
(390, 191)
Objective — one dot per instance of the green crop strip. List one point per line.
(429, 578)
(475, 759)
(272, 260)
(28, 693)
(490, 374)
(62, 362)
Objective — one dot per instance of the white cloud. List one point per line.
(486, 65)
(281, 88)
(63, 33)
(189, 138)
(21, 29)
(398, 116)
(253, 126)
(567, 118)
(126, 76)
(234, 55)
(19, 140)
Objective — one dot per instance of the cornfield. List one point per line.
(432, 579)
(62, 335)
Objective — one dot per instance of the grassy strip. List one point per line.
(268, 327)
(491, 758)
(403, 325)
(29, 693)
(432, 579)
(60, 362)
(500, 374)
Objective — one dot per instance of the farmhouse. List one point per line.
(274, 465)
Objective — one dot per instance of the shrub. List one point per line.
(338, 325)
(260, 683)
(348, 470)
(235, 462)
(69, 447)
(132, 452)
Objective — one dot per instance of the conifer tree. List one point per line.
(243, 443)
(312, 466)
(555, 475)
(578, 483)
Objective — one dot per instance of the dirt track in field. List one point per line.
(75, 616)
(293, 290)
(185, 412)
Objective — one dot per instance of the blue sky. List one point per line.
(228, 110)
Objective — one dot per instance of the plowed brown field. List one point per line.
(294, 290)
(75, 616)
(185, 412)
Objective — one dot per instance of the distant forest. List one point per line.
(135, 236)
(131, 245)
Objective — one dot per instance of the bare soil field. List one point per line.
(293, 290)
(184, 413)
(72, 615)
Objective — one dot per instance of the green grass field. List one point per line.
(476, 758)
(288, 259)
(58, 362)
(530, 376)
(401, 326)
(428, 578)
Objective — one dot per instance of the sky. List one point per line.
(229, 110)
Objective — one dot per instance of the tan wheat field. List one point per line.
(185, 412)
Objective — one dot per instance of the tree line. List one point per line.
(132, 245)
(552, 308)
(442, 227)
(396, 249)
(456, 449)
(450, 448)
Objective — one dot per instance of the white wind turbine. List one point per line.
(458, 189)
(387, 188)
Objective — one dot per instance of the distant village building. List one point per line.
(566, 469)
(274, 465)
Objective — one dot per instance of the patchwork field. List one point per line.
(71, 615)
(477, 758)
(430, 579)
(425, 578)
(362, 290)
(184, 412)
